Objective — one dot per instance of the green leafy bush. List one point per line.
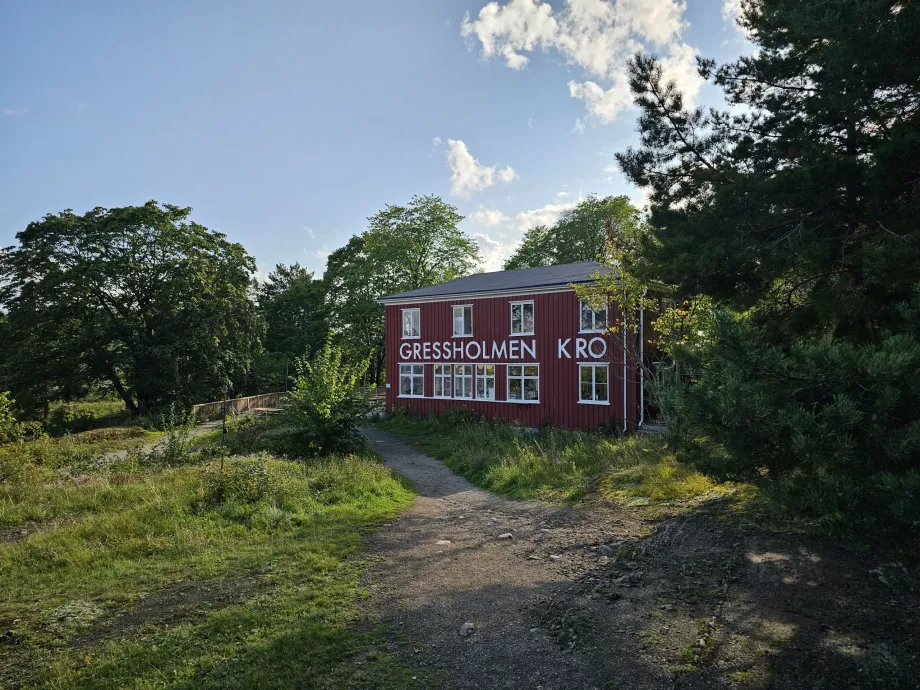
(326, 406)
(243, 481)
(830, 427)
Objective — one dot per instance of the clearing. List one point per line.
(496, 593)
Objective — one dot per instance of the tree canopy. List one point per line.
(803, 201)
(796, 214)
(138, 297)
(404, 248)
(578, 235)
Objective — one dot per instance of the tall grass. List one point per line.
(266, 540)
(557, 463)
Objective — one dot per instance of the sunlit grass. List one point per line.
(268, 542)
(560, 464)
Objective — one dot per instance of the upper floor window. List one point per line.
(463, 320)
(522, 318)
(593, 321)
(411, 323)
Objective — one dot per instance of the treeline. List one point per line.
(143, 304)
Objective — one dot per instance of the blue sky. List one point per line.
(286, 124)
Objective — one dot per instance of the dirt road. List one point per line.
(494, 593)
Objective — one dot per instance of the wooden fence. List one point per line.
(216, 410)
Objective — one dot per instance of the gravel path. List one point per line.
(462, 555)
(593, 597)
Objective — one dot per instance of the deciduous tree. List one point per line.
(138, 296)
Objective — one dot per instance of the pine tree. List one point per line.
(797, 211)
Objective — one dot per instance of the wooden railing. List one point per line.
(217, 409)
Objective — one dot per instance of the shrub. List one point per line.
(326, 406)
(243, 481)
(830, 427)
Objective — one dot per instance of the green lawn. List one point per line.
(194, 576)
(561, 464)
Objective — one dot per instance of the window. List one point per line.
(485, 381)
(593, 321)
(522, 318)
(442, 380)
(463, 380)
(411, 380)
(411, 321)
(524, 382)
(592, 384)
(463, 321)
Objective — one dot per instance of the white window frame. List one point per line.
(439, 376)
(463, 381)
(594, 366)
(484, 377)
(523, 377)
(522, 303)
(413, 376)
(584, 305)
(454, 320)
(402, 323)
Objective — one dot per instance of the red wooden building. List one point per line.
(516, 345)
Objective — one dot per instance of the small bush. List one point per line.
(326, 406)
(243, 481)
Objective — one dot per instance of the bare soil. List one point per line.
(592, 597)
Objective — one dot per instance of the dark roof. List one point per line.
(504, 281)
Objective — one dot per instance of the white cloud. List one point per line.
(530, 122)
(680, 67)
(307, 229)
(545, 215)
(579, 127)
(604, 105)
(468, 175)
(492, 251)
(13, 113)
(488, 217)
(561, 195)
(610, 169)
(436, 141)
(596, 35)
(507, 175)
(731, 11)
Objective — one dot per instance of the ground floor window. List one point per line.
(463, 380)
(412, 380)
(593, 384)
(442, 380)
(485, 381)
(524, 382)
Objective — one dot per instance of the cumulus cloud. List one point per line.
(596, 35)
(492, 251)
(545, 215)
(488, 217)
(468, 175)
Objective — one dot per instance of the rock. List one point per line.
(443, 542)
(466, 629)
(555, 557)
(535, 557)
(506, 535)
(667, 607)
(604, 550)
(603, 560)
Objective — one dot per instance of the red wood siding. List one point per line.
(556, 316)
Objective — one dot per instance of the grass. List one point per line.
(234, 575)
(560, 464)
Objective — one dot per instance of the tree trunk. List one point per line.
(120, 389)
